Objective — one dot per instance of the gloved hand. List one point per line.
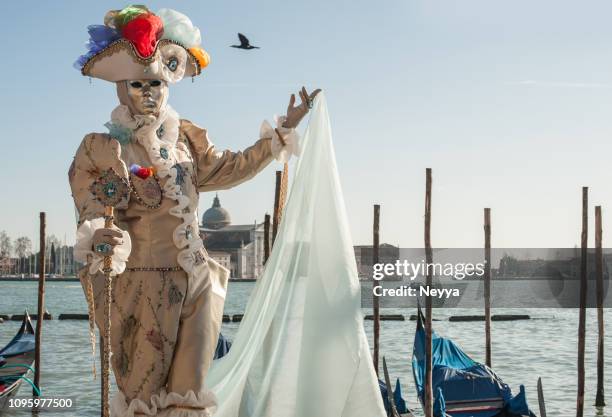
(104, 241)
(295, 114)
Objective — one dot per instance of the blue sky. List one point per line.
(508, 102)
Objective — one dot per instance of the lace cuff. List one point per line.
(83, 248)
(166, 404)
(281, 151)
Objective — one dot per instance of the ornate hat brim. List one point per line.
(120, 61)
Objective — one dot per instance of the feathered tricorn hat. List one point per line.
(135, 43)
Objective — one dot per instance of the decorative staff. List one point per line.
(110, 190)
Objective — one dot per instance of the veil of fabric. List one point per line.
(301, 350)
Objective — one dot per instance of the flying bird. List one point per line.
(244, 43)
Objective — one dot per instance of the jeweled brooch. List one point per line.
(110, 189)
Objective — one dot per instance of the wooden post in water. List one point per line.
(266, 238)
(428, 302)
(41, 300)
(541, 402)
(583, 300)
(277, 204)
(285, 183)
(487, 285)
(599, 397)
(375, 299)
(280, 195)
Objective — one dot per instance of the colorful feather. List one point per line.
(144, 31)
(142, 172)
(122, 134)
(178, 28)
(119, 18)
(100, 37)
(137, 24)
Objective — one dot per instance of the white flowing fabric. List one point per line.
(301, 350)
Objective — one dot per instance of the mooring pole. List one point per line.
(583, 300)
(276, 212)
(280, 194)
(541, 402)
(487, 285)
(428, 302)
(277, 204)
(41, 301)
(266, 238)
(285, 184)
(375, 299)
(599, 397)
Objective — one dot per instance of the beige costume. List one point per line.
(151, 351)
(168, 294)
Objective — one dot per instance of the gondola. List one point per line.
(462, 387)
(16, 360)
(396, 396)
(223, 347)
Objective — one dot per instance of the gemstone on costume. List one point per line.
(163, 152)
(160, 131)
(172, 64)
(180, 174)
(110, 189)
(198, 258)
(175, 295)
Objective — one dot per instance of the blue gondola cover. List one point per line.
(400, 403)
(458, 378)
(223, 347)
(24, 341)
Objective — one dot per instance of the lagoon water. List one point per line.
(522, 350)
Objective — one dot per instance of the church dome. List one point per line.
(216, 217)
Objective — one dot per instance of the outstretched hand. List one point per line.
(295, 114)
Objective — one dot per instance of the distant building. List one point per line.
(364, 257)
(569, 267)
(240, 248)
(223, 258)
(64, 262)
(7, 265)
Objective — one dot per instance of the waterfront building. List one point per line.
(7, 265)
(364, 257)
(238, 247)
(64, 263)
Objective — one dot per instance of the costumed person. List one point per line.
(168, 293)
